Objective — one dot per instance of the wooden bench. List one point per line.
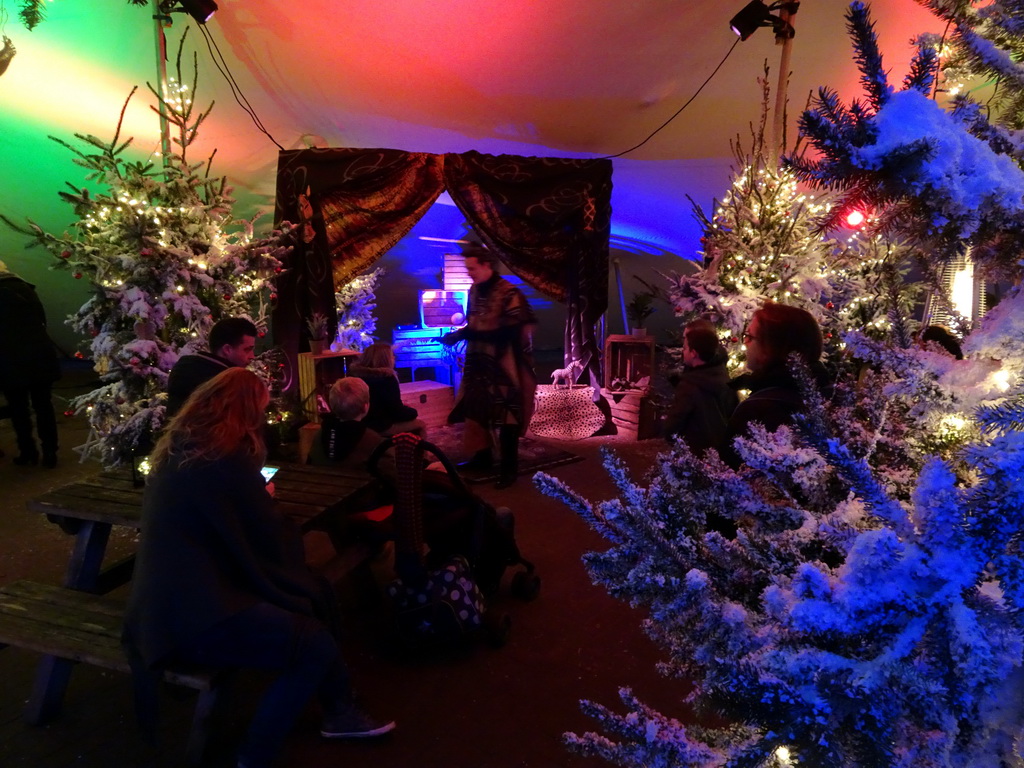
(70, 625)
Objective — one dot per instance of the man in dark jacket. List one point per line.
(703, 400)
(28, 368)
(232, 344)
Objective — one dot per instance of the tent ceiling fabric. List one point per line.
(577, 78)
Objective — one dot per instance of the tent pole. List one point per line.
(784, 38)
(161, 19)
(622, 298)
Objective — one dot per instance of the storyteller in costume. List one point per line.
(498, 381)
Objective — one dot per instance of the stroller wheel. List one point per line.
(525, 586)
(497, 628)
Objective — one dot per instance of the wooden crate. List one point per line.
(633, 413)
(453, 273)
(316, 375)
(431, 399)
(437, 308)
(419, 347)
(629, 358)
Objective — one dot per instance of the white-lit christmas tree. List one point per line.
(767, 241)
(166, 260)
(355, 302)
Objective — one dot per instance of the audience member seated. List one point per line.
(774, 332)
(345, 440)
(221, 578)
(232, 344)
(448, 510)
(703, 400)
(944, 338)
(388, 414)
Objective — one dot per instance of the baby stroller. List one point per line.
(442, 594)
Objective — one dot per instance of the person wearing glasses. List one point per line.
(774, 333)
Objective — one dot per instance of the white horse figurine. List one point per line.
(567, 375)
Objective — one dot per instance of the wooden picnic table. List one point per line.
(316, 498)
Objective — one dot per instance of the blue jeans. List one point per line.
(301, 647)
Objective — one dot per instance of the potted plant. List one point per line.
(317, 325)
(638, 310)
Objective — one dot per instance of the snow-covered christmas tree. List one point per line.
(165, 260)
(852, 595)
(355, 302)
(839, 626)
(950, 181)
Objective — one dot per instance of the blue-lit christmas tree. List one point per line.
(355, 302)
(867, 608)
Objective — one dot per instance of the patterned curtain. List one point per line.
(353, 205)
(547, 218)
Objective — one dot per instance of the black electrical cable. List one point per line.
(236, 91)
(680, 110)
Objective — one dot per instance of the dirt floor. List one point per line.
(481, 707)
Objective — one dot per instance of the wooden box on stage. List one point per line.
(633, 413)
(438, 309)
(431, 399)
(629, 358)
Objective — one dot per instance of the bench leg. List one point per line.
(202, 720)
(51, 682)
(87, 556)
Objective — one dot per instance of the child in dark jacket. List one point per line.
(703, 400)
(388, 414)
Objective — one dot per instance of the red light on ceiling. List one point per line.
(855, 218)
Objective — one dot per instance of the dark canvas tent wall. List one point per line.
(548, 219)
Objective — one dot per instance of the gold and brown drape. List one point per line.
(548, 219)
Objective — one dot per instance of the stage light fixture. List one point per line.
(756, 14)
(200, 10)
(6, 54)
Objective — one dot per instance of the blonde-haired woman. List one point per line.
(221, 578)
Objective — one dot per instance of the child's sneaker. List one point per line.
(354, 724)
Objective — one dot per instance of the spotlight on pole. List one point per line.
(756, 14)
(200, 10)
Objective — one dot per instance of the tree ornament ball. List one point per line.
(78, 275)
(65, 254)
(69, 412)
(458, 318)
(79, 355)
